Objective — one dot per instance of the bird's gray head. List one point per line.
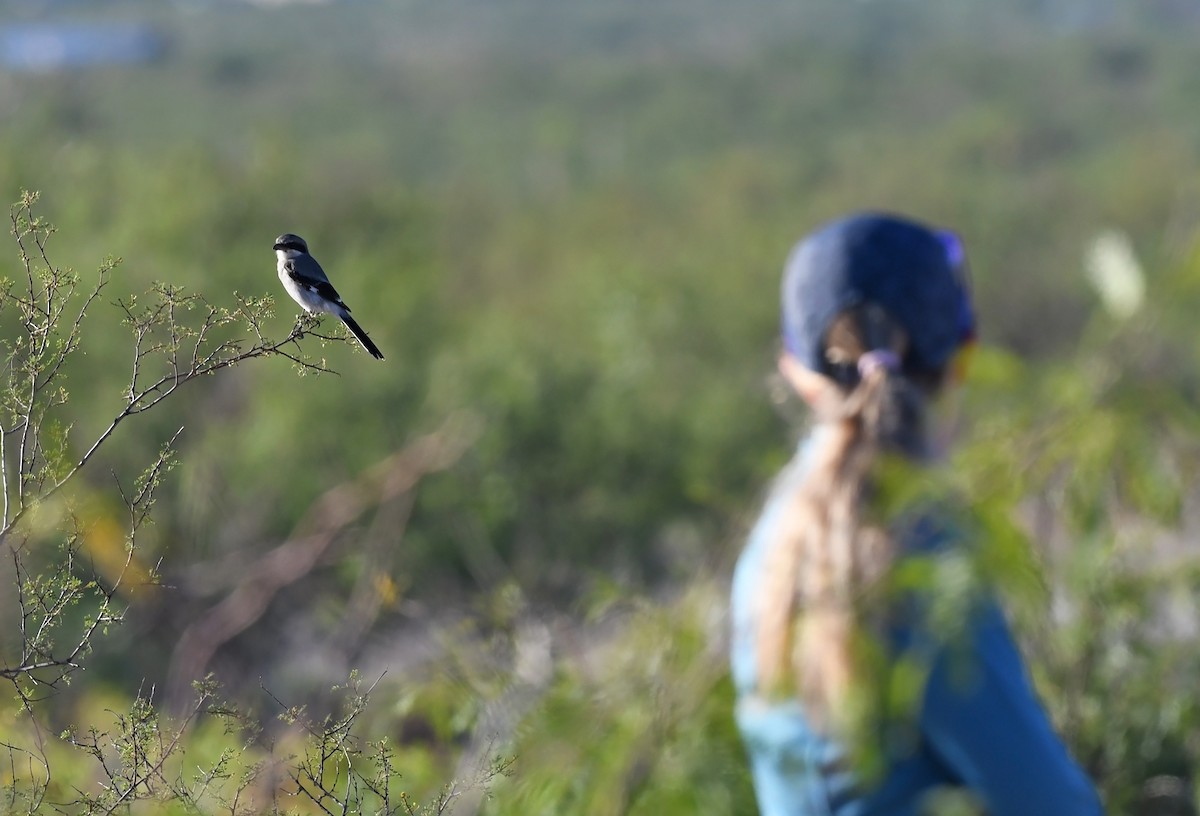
(289, 241)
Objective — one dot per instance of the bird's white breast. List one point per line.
(311, 301)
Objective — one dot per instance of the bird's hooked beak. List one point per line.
(278, 247)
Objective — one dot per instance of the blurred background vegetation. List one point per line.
(564, 223)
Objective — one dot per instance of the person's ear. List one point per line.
(812, 387)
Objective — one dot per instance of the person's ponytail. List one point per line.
(824, 556)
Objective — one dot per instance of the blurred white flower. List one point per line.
(1115, 273)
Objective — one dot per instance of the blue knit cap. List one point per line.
(915, 273)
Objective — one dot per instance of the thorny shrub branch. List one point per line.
(177, 337)
(340, 773)
(133, 758)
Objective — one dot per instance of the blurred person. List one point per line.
(876, 319)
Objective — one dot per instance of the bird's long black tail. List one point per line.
(357, 331)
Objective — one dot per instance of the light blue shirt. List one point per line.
(982, 729)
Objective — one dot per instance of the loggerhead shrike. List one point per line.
(306, 282)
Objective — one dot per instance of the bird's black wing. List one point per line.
(322, 287)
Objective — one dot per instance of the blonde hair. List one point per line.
(825, 555)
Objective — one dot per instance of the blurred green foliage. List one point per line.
(567, 221)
